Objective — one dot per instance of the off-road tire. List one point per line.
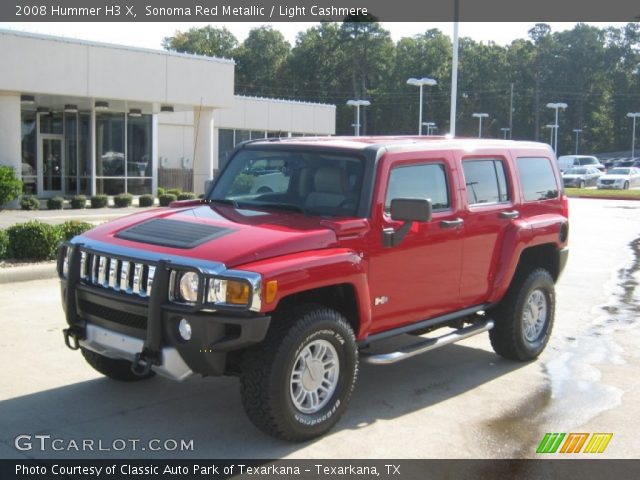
(266, 372)
(508, 335)
(113, 368)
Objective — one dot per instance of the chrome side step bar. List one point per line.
(427, 344)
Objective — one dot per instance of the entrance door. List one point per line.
(52, 170)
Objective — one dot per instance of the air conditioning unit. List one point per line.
(187, 162)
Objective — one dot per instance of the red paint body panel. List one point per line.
(434, 271)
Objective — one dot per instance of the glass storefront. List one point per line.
(229, 138)
(57, 156)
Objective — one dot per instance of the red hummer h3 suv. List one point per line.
(306, 253)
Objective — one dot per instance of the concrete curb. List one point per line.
(26, 273)
(606, 197)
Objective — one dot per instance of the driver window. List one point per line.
(426, 180)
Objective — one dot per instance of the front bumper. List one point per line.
(145, 330)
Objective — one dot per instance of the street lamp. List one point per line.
(504, 131)
(480, 116)
(633, 138)
(358, 104)
(431, 127)
(577, 131)
(421, 82)
(551, 128)
(557, 106)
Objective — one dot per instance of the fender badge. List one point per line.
(381, 300)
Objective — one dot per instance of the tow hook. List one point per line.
(72, 337)
(143, 362)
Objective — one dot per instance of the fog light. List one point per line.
(184, 328)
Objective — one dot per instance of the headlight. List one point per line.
(231, 292)
(189, 287)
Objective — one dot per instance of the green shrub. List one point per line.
(79, 201)
(146, 200)
(187, 196)
(10, 185)
(4, 243)
(174, 191)
(71, 228)
(166, 199)
(123, 200)
(99, 201)
(29, 202)
(242, 184)
(201, 196)
(161, 191)
(55, 203)
(33, 240)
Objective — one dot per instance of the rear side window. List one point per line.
(486, 181)
(427, 180)
(537, 178)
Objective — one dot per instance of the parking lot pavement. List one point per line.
(461, 401)
(91, 215)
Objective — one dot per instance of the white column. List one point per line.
(10, 132)
(92, 137)
(154, 154)
(11, 135)
(203, 162)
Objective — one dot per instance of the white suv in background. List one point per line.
(565, 162)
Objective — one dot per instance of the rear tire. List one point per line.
(524, 318)
(626, 185)
(113, 368)
(296, 384)
(582, 184)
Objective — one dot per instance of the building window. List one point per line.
(139, 164)
(225, 146)
(29, 153)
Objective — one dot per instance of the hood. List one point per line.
(614, 177)
(218, 233)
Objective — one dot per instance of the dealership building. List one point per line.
(81, 117)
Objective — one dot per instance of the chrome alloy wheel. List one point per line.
(314, 377)
(534, 315)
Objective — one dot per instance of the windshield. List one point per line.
(619, 171)
(576, 171)
(312, 182)
(588, 161)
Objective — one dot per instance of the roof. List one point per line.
(399, 142)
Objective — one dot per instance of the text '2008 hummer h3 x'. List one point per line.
(307, 254)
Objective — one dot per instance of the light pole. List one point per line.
(421, 82)
(358, 104)
(480, 116)
(431, 127)
(504, 131)
(557, 106)
(577, 131)
(551, 128)
(633, 115)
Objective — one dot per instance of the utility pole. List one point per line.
(511, 114)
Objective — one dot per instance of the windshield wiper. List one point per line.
(226, 201)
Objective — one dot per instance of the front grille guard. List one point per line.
(72, 271)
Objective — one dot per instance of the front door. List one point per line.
(52, 165)
(420, 277)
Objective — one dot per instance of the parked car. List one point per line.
(625, 163)
(581, 177)
(565, 162)
(620, 178)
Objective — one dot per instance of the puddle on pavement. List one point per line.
(573, 393)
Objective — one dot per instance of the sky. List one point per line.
(150, 34)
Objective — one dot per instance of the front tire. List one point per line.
(524, 318)
(113, 368)
(297, 383)
(626, 185)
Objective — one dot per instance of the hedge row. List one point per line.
(28, 202)
(35, 240)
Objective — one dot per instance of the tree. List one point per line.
(209, 41)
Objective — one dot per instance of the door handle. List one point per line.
(510, 215)
(458, 222)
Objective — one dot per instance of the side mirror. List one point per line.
(411, 209)
(407, 210)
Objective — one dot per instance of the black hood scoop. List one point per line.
(172, 233)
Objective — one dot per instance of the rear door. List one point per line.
(489, 212)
